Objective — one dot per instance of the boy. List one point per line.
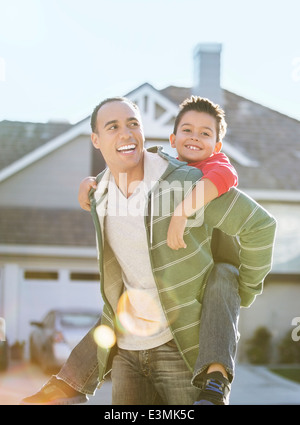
(198, 132)
(199, 129)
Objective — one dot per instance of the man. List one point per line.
(153, 294)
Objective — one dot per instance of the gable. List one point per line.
(262, 144)
(51, 181)
(158, 112)
(44, 149)
(17, 139)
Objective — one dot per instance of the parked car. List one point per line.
(53, 339)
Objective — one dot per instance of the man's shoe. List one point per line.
(215, 391)
(55, 392)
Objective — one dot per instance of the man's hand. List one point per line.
(83, 194)
(175, 232)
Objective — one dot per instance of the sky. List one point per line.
(59, 58)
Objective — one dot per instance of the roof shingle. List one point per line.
(29, 226)
(262, 134)
(17, 139)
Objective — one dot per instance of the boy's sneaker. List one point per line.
(215, 390)
(55, 391)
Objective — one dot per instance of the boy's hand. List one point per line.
(175, 232)
(83, 194)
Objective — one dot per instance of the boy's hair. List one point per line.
(201, 104)
(110, 99)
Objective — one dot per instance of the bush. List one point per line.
(289, 350)
(259, 346)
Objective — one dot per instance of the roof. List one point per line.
(270, 139)
(263, 145)
(41, 227)
(17, 139)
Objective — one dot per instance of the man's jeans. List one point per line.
(218, 343)
(158, 376)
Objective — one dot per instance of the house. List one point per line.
(47, 243)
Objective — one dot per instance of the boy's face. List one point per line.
(196, 137)
(119, 136)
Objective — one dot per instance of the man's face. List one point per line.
(196, 137)
(119, 136)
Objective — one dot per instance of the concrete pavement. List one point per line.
(253, 385)
(256, 385)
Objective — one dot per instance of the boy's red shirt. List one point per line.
(218, 169)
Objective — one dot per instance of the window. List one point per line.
(40, 275)
(91, 277)
(81, 320)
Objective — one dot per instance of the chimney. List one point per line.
(207, 71)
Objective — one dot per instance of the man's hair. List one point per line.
(201, 104)
(108, 100)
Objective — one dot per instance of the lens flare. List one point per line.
(139, 313)
(104, 336)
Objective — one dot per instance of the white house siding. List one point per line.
(287, 245)
(274, 309)
(51, 182)
(280, 300)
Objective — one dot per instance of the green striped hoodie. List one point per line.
(181, 275)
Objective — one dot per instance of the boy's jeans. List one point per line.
(218, 335)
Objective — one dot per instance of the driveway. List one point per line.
(253, 385)
(257, 385)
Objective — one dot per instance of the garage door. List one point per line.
(44, 290)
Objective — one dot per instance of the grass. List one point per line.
(289, 372)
